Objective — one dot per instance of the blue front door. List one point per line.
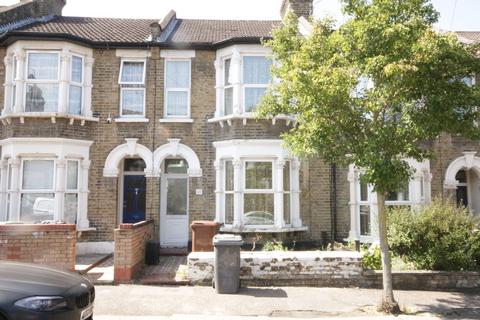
(134, 196)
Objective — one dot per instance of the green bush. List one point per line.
(371, 257)
(274, 246)
(441, 236)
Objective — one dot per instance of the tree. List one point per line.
(371, 91)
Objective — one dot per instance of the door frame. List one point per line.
(120, 193)
(163, 207)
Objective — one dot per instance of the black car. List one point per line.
(31, 292)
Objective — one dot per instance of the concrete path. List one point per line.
(287, 302)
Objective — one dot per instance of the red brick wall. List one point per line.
(129, 255)
(47, 244)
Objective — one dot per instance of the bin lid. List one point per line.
(204, 223)
(227, 240)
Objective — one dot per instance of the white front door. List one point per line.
(174, 211)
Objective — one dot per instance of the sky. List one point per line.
(454, 14)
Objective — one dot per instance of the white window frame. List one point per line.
(23, 191)
(258, 191)
(121, 103)
(77, 84)
(225, 86)
(245, 86)
(72, 191)
(42, 81)
(144, 61)
(188, 90)
(225, 191)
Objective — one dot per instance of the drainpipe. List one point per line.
(333, 202)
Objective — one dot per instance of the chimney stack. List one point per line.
(31, 9)
(302, 8)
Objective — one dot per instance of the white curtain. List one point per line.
(72, 175)
(132, 71)
(178, 74)
(256, 70)
(75, 100)
(132, 102)
(38, 175)
(43, 66)
(253, 97)
(177, 103)
(77, 66)
(41, 97)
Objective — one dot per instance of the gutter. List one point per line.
(333, 202)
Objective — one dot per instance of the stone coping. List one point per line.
(421, 272)
(127, 226)
(36, 227)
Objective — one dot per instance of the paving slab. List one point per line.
(280, 302)
(102, 274)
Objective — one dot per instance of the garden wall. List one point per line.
(130, 243)
(324, 269)
(46, 244)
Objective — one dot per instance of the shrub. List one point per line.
(441, 236)
(274, 246)
(371, 257)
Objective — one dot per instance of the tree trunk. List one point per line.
(388, 304)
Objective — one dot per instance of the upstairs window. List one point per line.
(75, 96)
(42, 82)
(256, 79)
(132, 92)
(177, 88)
(227, 88)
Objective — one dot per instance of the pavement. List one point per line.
(128, 302)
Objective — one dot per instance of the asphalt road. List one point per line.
(128, 302)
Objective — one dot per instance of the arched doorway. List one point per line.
(174, 204)
(463, 177)
(468, 190)
(133, 190)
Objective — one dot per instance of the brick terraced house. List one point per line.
(109, 121)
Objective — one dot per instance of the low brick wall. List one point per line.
(52, 245)
(130, 242)
(324, 269)
(425, 280)
(258, 268)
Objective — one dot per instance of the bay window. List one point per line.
(242, 77)
(75, 99)
(256, 78)
(48, 79)
(37, 190)
(177, 88)
(42, 82)
(227, 88)
(52, 186)
(363, 199)
(71, 192)
(132, 88)
(258, 193)
(257, 186)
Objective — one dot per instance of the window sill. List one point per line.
(261, 229)
(6, 118)
(249, 116)
(132, 120)
(176, 120)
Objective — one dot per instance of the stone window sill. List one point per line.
(176, 120)
(252, 229)
(6, 118)
(248, 116)
(132, 120)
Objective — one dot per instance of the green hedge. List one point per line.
(441, 236)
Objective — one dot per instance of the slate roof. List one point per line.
(138, 31)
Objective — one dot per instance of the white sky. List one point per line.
(454, 14)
